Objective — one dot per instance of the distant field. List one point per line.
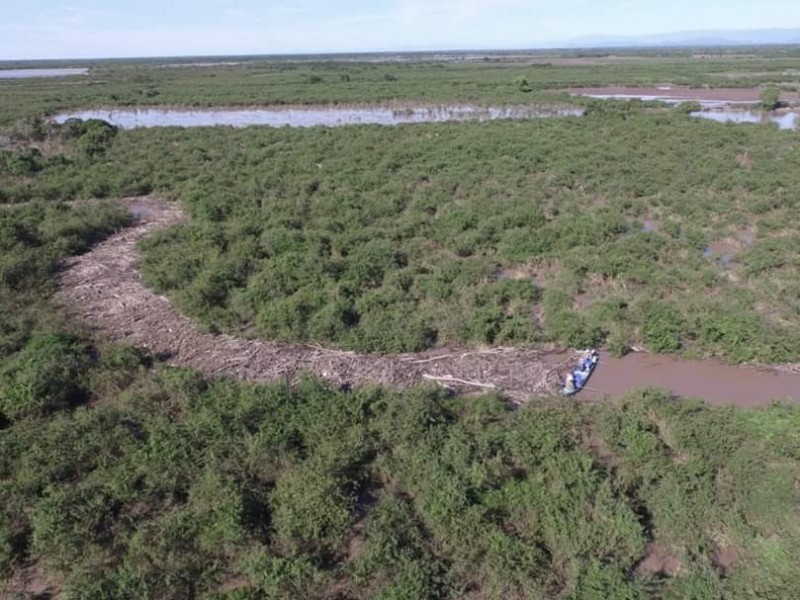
(485, 78)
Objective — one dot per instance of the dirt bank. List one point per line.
(103, 289)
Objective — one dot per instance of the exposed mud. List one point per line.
(30, 582)
(651, 225)
(725, 559)
(658, 562)
(724, 251)
(103, 289)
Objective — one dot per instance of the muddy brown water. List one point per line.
(314, 116)
(104, 289)
(714, 382)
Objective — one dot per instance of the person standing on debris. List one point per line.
(569, 386)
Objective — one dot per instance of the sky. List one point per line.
(37, 29)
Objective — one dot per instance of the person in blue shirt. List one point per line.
(586, 362)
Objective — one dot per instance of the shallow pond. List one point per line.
(669, 100)
(706, 97)
(786, 121)
(333, 116)
(31, 73)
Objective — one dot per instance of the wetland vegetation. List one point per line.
(392, 240)
(633, 225)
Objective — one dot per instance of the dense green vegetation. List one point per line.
(33, 239)
(122, 478)
(399, 239)
(771, 98)
(183, 488)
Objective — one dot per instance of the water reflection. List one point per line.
(786, 121)
(30, 73)
(666, 99)
(333, 116)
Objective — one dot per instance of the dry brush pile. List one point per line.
(104, 289)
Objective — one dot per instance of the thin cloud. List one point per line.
(88, 28)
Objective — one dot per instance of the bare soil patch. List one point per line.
(233, 584)
(29, 582)
(745, 161)
(658, 561)
(651, 225)
(512, 274)
(725, 559)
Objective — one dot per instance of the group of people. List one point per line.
(577, 378)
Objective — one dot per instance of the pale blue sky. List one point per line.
(99, 28)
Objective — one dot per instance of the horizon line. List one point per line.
(555, 47)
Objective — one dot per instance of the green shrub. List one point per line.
(95, 138)
(523, 85)
(281, 577)
(662, 327)
(686, 108)
(771, 98)
(47, 375)
(765, 255)
(575, 330)
(31, 128)
(22, 163)
(310, 510)
(619, 341)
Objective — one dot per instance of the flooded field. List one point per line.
(787, 121)
(718, 97)
(710, 380)
(31, 73)
(333, 116)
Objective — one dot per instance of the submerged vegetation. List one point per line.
(122, 478)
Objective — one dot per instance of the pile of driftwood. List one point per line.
(104, 289)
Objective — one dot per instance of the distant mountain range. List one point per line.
(719, 37)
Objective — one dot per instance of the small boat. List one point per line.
(579, 376)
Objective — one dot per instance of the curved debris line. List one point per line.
(104, 289)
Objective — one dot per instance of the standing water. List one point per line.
(31, 73)
(789, 121)
(710, 380)
(333, 116)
